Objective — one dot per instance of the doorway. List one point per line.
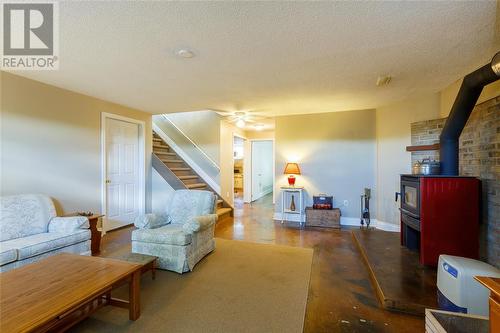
(262, 168)
(123, 170)
(238, 170)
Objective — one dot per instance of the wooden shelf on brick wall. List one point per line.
(423, 147)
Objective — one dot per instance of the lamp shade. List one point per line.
(292, 169)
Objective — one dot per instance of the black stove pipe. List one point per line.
(467, 97)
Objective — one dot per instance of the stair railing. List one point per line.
(188, 150)
(192, 142)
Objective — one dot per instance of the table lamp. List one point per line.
(291, 169)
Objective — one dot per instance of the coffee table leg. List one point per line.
(135, 295)
(153, 270)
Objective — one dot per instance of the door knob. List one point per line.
(108, 181)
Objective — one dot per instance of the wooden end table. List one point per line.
(95, 234)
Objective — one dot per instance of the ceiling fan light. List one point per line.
(240, 123)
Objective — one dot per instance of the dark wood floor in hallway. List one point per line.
(341, 298)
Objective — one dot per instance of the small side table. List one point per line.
(149, 263)
(95, 234)
(286, 195)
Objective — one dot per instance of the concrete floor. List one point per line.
(341, 297)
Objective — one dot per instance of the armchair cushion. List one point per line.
(186, 204)
(199, 223)
(68, 224)
(169, 234)
(151, 221)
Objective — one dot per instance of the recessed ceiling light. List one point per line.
(185, 53)
(258, 127)
(240, 123)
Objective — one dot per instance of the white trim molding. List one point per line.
(192, 164)
(347, 221)
(381, 225)
(142, 163)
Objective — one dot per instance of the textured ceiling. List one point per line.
(275, 57)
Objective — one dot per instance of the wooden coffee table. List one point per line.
(57, 292)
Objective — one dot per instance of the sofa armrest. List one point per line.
(199, 223)
(68, 224)
(151, 221)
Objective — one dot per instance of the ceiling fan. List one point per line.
(240, 118)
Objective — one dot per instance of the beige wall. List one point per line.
(203, 128)
(259, 135)
(51, 143)
(335, 151)
(393, 135)
(449, 94)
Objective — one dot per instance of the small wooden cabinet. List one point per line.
(328, 218)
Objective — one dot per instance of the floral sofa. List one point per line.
(30, 231)
(181, 236)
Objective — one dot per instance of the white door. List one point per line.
(262, 168)
(122, 173)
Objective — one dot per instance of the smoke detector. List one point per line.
(383, 80)
(185, 53)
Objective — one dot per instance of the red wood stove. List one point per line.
(440, 215)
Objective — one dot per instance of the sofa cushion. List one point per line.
(37, 244)
(7, 255)
(170, 234)
(24, 215)
(186, 204)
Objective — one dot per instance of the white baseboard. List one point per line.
(381, 225)
(388, 226)
(347, 221)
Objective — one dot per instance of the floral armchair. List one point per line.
(181, 236)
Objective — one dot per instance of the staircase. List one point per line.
(180, 176)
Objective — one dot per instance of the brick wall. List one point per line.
(479, 157)
(426, 133)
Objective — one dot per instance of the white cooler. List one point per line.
(458, 291)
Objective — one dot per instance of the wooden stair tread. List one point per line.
(172, 161)
(180, 169)
(187, 177)
(164, 153)
(197, 185)
(223, 211)
(161, 146)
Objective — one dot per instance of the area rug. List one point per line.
(240, 287)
